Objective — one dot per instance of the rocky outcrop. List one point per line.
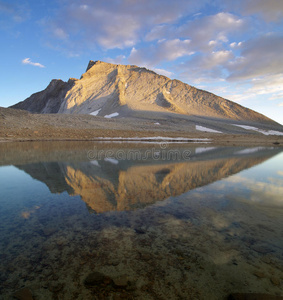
(107, 88)
(48, 100)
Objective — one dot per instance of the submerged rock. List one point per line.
(121, 281)
(23, 294)
(275, 280)
(96, 278)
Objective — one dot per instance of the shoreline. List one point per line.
(21, 126)
(234, 140)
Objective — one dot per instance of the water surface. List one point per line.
(201, 224)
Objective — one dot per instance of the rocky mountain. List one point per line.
(112, 90)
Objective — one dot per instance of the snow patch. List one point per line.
(272, 132)
(265, 132)
(115, 114)
(96, 112)
(246, 127)
(205, 129)
(156, 123)
(167, 92)
(111, 160)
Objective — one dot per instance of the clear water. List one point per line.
(201, 225)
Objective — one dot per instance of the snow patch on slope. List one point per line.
(96, 112)
(115, 114)
(265, 132)
(205, 129)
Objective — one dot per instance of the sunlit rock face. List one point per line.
(107, 88)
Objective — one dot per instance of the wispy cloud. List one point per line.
(27, 61)
(205, 33)
(16, 11)
(118, 24)
(164, 50)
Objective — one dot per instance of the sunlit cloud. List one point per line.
(27, 61)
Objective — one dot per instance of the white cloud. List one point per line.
(114, 24)
(269, 84)
(206, 67)
(205, 33)
(235, 45)
(214, 28)
(164, 50)
(215, 59)
(163, 72)
(27, 61)
(260, 56)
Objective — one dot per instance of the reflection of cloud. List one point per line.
(266, 193)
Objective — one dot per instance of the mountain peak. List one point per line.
(92, 63)
(128, 91)
(96, 62)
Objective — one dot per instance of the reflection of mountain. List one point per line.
(105, 186)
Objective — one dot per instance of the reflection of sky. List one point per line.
(19, 190)
(260, 184)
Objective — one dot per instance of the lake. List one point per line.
(82, 220)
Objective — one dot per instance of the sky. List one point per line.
(233, 49)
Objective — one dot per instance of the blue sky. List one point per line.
(231, 48)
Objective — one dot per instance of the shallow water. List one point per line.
(79, 221)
